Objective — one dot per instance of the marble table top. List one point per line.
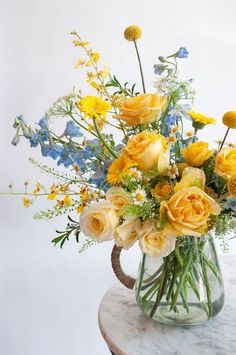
(128, 331)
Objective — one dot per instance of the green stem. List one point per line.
(161, 289)
(102, 139)
(180, 285)
(141, 274)
(223, 142)
(140, 66)
(207, 286)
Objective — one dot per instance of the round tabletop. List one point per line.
(128, 331)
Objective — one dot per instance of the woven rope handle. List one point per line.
(126, 280)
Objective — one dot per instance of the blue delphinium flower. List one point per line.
(43, 123)
(40, 136)
(72, 130)
(16, 139)
(51, 150)
(182, 53)
(230, 204)
(159, 69)
(21, 119)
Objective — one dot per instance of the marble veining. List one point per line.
(128, 331)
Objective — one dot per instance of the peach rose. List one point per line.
(127, 233)
(149, 150)
(142, 109)
(187, 212)
(197, 153)
(118, 197)
(99, 220)
(154, 242)
(225, 164)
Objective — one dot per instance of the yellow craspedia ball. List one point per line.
(232, 185)
(229, 119)
(132, 33)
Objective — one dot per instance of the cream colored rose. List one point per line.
(191, 177)
(225, 164)
(127, 233)
(99, 220)
(118, 197)
(149, 150)
(187, 212)
(154, 242)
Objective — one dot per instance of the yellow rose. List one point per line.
(149, 150)
(187, 212)
(225, 164)
(118, 197)
(141, 109)
(99, 220)
(127, 233)
(197, 153)
(191, 177)
(154, 242)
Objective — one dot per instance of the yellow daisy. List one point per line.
(200, 118)
(119, 168)
(94, 106)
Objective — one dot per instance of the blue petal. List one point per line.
(43, 123)
(72, 130)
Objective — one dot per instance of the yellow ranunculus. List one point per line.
(127, 233)
(187, 212)
(225, 164)
(141, 109)
(118, 197)
(154, 242)
(149, 150)
(99, 220)
(191, 177)
(197, 153)
(161, 190)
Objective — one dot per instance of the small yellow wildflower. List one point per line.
(229, 119)
(80, 63)
(171, 139)
(189, 134)
(174, 130)
(200, 118)
(132, 33)
(119, 168)
(139, 196)
(76, 168)
(63, 188)
(37, 188)
(93, 106)
(67, 200)
(26, 202)
(93, 58)
(78, 43)
(104, 72)
(91, 76)
(53, 192)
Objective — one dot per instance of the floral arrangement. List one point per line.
(137, 169)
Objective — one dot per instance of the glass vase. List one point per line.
(184, 288)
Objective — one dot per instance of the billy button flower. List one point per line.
(133, 33)
(229, 120)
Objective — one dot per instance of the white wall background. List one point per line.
(48, 297)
